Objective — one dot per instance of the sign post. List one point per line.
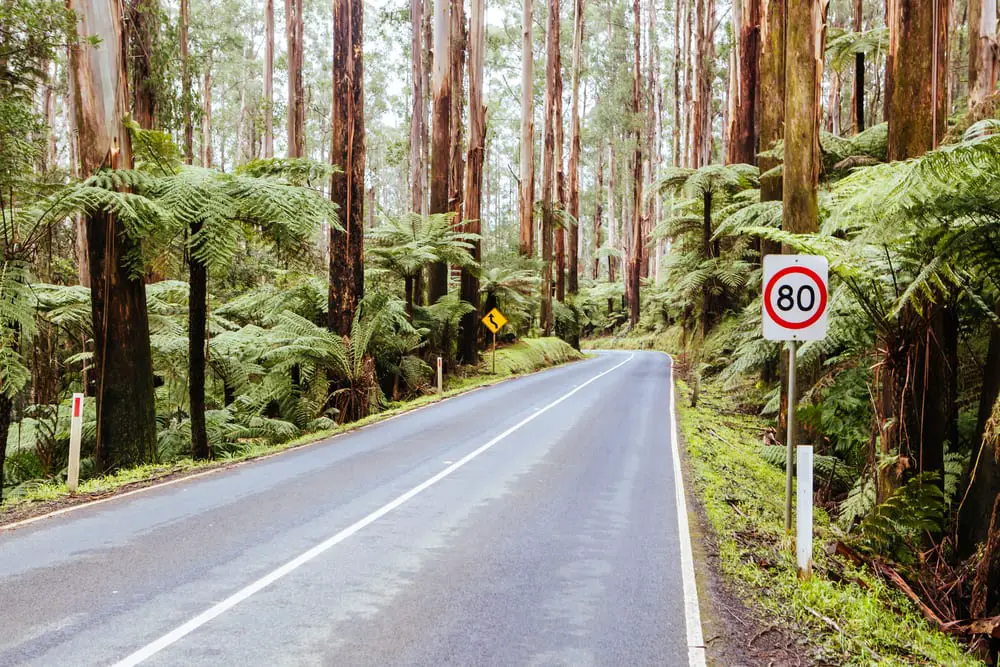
(795, 309)
(494, 321)
(75, 434)
(440, 378)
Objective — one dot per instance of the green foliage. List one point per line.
(898, 525)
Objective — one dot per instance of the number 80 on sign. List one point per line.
(795, 297)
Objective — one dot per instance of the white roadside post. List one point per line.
(75, 433)
(440, 378)
(804, 512)
(794, 307)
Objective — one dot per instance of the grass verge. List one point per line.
(848, 616)
(526, 356)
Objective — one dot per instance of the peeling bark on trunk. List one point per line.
(268, 79)
(126, 409)
(526, 183)
(574, 151)
(296, 93)
(468, 347)
(142, 24)
(347, 150)
(982, 50)
(548, 161)
(437, 283)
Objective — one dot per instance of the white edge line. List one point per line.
(154, 485)
(692, 615)
(201, 619)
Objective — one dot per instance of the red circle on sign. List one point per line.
(809, 273)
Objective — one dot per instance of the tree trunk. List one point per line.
(437, 283)
(456, 71)
(142, 24)
(206, 118)
(559, 230)
(803, 77)
(858, 97)
(574, 152)
(916, 89)
(612, 225)
(526, 184)
(296, 93)
(548, 160)
(833, 106)
(197, 321)
(637, 240)
(417, 157)
(772, 89)
(347, 150)
(676, 135)
(688, 76)
(917, 96)
(468, 346)
(268, 79)
(425, 142)
(6, 418)
(126, 409)
(743, 140)
(982, 50)
(185, 20)
(704, 58)
(984, 488)
(598, 193)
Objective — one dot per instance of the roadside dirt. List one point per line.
(736, 635)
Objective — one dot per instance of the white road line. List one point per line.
(201, 619)
(692, 612)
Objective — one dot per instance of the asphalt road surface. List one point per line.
(531, 523)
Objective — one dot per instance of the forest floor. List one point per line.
(43, 498)
(755, 610)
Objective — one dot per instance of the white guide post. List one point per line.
(75, 433)
(804, 511)
(440, 378)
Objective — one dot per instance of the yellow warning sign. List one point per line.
(494, 320)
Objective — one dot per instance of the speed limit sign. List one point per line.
(795, 297)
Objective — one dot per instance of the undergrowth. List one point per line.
(525, 356)
(849, 615)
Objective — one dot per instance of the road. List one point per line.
(534, 522)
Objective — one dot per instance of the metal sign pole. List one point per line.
(494, 353)
(789, 444)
